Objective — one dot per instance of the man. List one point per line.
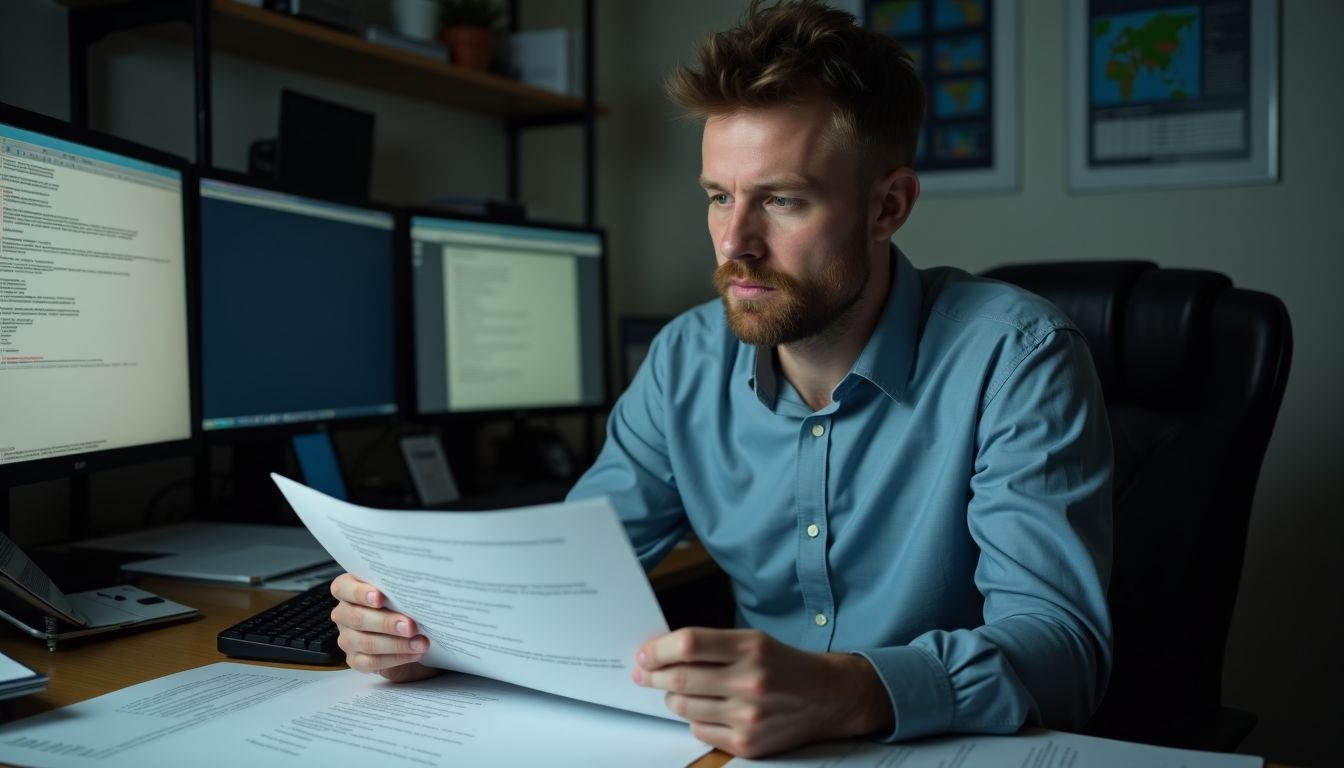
(905, 473)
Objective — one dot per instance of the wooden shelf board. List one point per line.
(294, 43)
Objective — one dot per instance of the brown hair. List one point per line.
(789, 51)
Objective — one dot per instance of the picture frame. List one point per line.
(1180, 93)
(969, 59)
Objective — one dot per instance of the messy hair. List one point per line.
(789, 51)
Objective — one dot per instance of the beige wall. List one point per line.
(1283, 658)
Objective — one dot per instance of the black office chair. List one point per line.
(1193, 371)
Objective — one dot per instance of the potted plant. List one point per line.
(469, 29)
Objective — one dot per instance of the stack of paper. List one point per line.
(18, 680)
(226, 715)
(1031, 749)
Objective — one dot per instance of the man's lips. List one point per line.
(747, 290)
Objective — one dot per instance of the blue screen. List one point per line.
(317, 461)
(297, 309)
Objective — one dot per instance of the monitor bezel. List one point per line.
(481, 415)
(400, 294)
(57, 467)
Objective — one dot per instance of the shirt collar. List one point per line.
(889, 355)
(887, 358)
(763, 378)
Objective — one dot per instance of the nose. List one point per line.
(740, 239)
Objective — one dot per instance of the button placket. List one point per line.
(813, 500)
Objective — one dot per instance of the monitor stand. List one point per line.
(255, 497)
(81, 523)
(81, 519)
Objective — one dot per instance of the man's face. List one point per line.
(786, 214)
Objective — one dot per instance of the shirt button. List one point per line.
(821, 619)
(818, 430)
(813, 530)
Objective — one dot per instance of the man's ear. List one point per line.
(891, 199)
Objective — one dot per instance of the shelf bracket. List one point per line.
(587, 118)
(86, 27)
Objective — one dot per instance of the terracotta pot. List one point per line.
(470, 47)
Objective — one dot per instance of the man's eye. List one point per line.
(719, 199)
(786, 203)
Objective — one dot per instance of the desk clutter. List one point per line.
(30, 601)
(486, 588)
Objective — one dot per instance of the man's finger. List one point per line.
(689, 679)
(373, 620)
(699, 709)
(363, 662)
(730, 740)
(692, 644)
(351, 590)
(354, 641)
(407, 673)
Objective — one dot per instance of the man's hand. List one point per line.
(751, 695)
(375, 639)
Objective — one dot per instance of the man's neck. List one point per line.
(817, 364)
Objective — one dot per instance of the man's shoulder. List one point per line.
(957, 301)
(695, 331)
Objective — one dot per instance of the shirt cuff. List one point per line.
(919, 688)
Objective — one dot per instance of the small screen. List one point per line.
(297, 309)
(93, 300)
(507, 317)
(317, 461)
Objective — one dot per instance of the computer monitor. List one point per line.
(636, 335)
(507, 317)
(298, 310)
(313, 132)
(95, 357)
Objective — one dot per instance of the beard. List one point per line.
(797, 309)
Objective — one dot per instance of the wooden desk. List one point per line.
(82, 669)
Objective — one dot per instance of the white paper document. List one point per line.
(548, 597)
(1030, 749)
(228, 715)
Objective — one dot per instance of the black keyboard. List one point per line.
(298, 631)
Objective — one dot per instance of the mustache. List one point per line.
(729, 271)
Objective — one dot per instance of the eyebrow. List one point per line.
(790, 182)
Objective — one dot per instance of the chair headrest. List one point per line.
(1166, 338)
(1094, 295)
(1147, 327)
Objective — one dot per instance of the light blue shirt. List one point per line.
(947, 516)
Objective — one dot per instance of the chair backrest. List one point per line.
(1193, 371)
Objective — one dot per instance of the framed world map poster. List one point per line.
(966, 53)
(1172, 92)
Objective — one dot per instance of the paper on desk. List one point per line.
(1035, 748)
(548, 597)
(226, 715)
